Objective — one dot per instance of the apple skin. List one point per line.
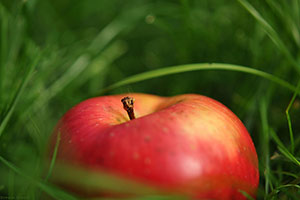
(186, 144)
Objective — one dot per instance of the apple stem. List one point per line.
(128, 106)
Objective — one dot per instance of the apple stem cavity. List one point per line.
(128, 106)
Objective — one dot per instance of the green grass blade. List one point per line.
(52, 191)
(265, 141)
(35, 134)
(99, 67)
(286, 173)
(288, 155)
(271, 33)
(79, 177)
(198, 67)
(18, 94)
(277, 190)
(288, 185)
(53, 159)
(276, 138)
(3, 46)
(74, 71)
(124, 21)
(289, 118)
(245, 194)
(289, 22)
(283, 149)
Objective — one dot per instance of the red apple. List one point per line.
(188, 144)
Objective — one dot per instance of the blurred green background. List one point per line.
(54, 54)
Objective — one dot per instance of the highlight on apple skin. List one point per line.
(188, 145)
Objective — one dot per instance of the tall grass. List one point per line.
(54, 54)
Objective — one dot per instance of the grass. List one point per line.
(205, 66)
(54, 54)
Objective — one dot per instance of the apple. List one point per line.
(188, 144)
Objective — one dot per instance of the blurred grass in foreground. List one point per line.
(54, 54)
